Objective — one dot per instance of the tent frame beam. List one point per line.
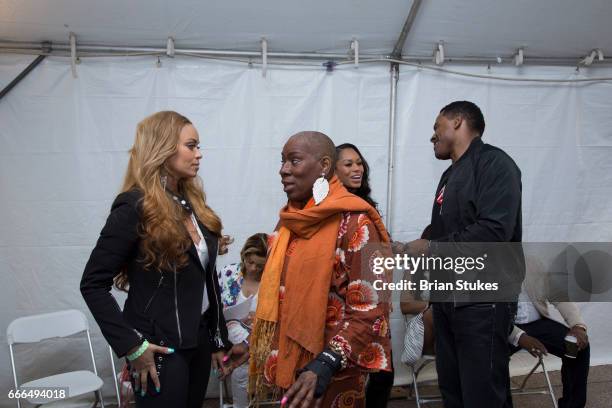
(91, 50)
(22, 75)
(399, 44)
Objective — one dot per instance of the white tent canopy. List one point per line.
(64, 140)
(475, 28)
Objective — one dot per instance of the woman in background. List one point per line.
(353, 171)
(240, 283)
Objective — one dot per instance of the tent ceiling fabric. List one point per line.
(291, 25)
(546, 28)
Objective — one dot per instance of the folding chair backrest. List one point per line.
(32, 329)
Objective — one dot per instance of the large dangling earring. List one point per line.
(164, 181)
(320, 189)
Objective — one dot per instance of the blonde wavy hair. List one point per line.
(164, 238)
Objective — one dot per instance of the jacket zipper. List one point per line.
(178, 322)
(217, 336)
(154, 293)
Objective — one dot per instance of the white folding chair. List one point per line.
(521, 389)
(33, 329)
(413, 392)
(426, 360)
(222, 391)
(115, 375)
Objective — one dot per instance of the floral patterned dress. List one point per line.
(230, 281)
(357, 317)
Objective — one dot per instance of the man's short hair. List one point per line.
(469, 111)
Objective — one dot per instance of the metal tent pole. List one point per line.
(396, 54)
(391, 146)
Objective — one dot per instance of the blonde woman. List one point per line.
(159, 244)
(240, 283)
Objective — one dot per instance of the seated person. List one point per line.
(537, 332)
(534, 331)
(240, 281)
(419, 337)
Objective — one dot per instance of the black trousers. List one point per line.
(472, 354)
(379, 388)
(574, 371)
(183, 379)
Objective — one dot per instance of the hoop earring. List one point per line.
(320, 189)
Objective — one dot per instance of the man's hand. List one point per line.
(532, 345)
(581, 335)
(398, 247)
(417, 247)
(301, 393)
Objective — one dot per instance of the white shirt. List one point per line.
(526, 311)
(202, 250)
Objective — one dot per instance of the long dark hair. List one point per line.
(364, 190)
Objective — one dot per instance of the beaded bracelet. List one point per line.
(337, 348)
(143, 347)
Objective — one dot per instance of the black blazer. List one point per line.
(162, 306)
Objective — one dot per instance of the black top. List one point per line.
(478, 200)
(162, 306)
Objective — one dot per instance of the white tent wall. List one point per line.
(64, 145)
(64, 152)
(560, 135)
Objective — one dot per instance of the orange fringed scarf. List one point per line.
(307, 283)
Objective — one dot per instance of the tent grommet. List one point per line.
(170, 50)
(73, 54)
(329, 66)
(264, 56)
(355, 52)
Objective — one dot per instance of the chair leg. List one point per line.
(99, 399)
(221, 394)
(539, 362)
(415, 387)
(550, 388)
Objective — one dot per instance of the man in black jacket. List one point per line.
(478, 200)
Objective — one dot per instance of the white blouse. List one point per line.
(202, 250)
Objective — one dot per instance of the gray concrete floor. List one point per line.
(599, 391)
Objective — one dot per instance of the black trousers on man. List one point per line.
(472, 354)
(574, 371)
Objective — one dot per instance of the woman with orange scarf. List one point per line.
(320, 324)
